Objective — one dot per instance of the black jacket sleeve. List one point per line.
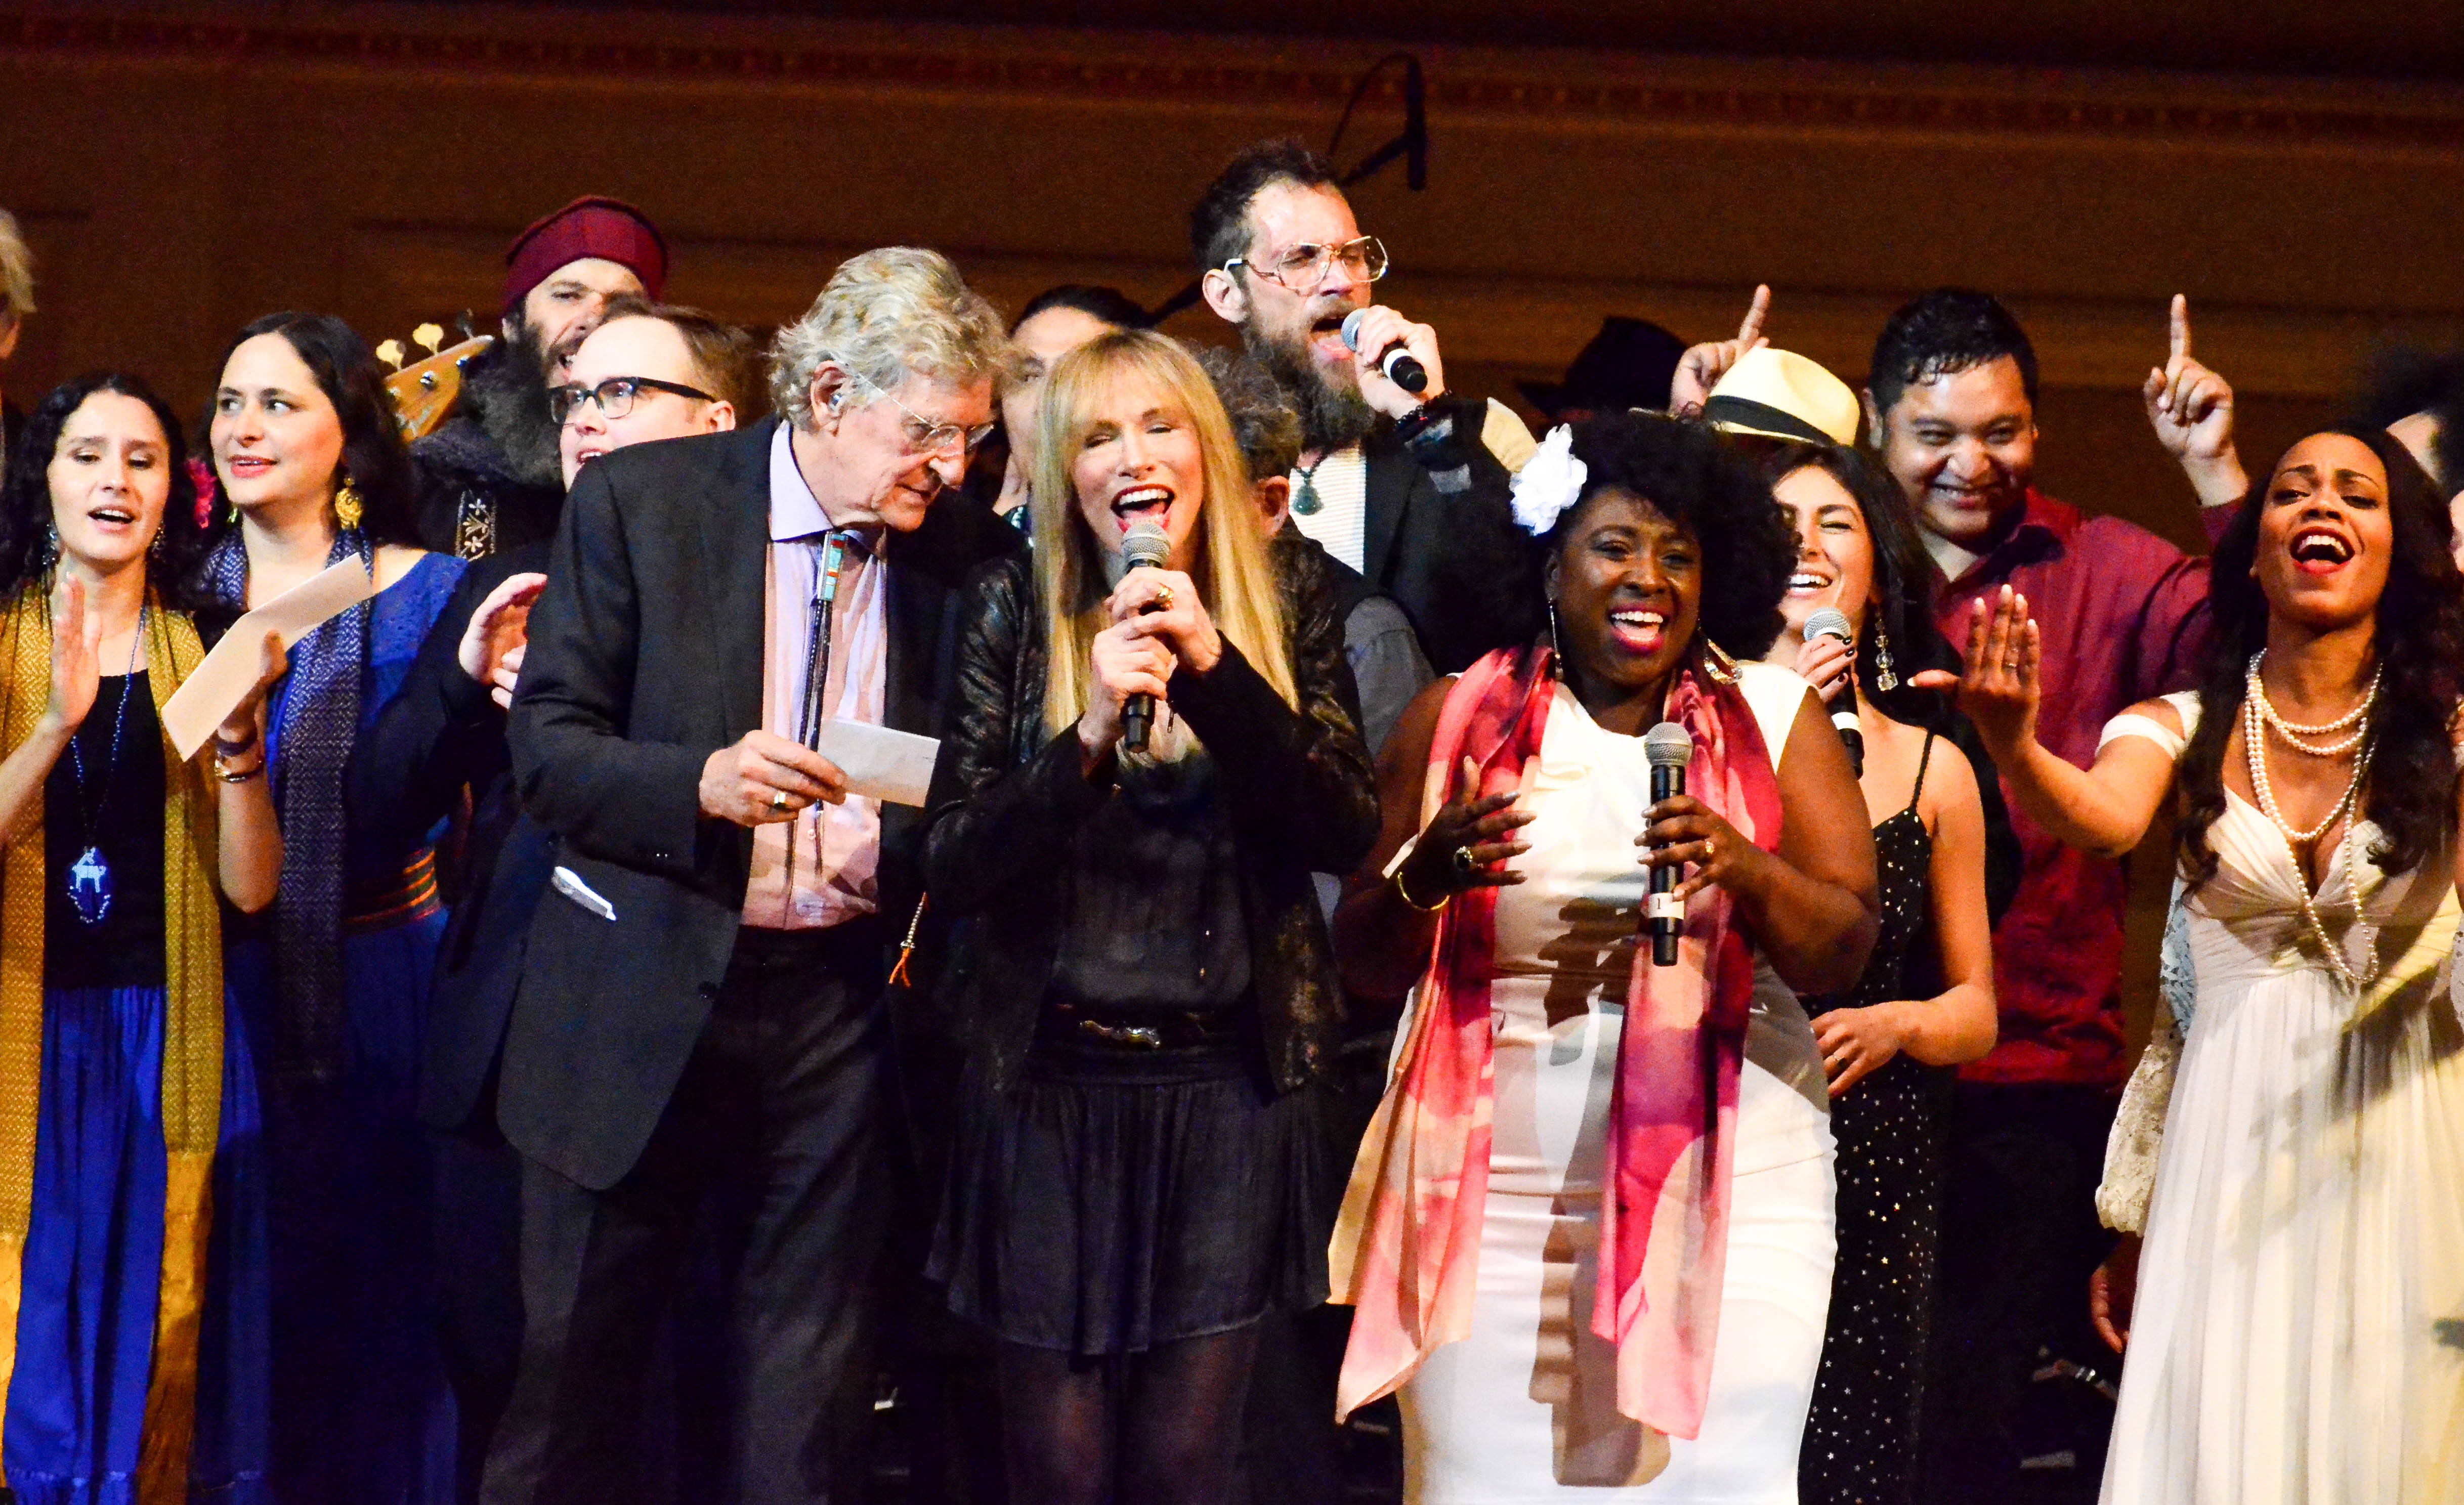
(579, 775)
(442, 732)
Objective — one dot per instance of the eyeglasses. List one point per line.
(614, 396)
(1303, 268)
(923, 434)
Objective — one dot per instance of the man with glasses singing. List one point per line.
(650, 371)
(1400, 485)
(699, 1023)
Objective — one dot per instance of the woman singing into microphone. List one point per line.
(1590, 1235)
(1139, 965)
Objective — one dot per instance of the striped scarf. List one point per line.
(315, 718)
(192, 1029)
(1406, 1250)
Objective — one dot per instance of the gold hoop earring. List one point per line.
(348, 507)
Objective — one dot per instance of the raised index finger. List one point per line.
(2181, 328)
(1752, 328)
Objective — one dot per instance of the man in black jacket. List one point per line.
(1398, 485)
(488, 478)
(441, 740)
(699, 1013)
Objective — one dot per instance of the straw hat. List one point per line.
(1780, 394)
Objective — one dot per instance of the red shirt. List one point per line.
(2122, 614)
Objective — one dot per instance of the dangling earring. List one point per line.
(50, 545)
(347, 506)
(1556, 653)
(1885, 678)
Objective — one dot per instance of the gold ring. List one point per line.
(1163, 598)
(778, 800)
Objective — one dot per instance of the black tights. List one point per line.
(1159, 1427)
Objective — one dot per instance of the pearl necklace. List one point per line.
(2293, 733)
(2255, 749)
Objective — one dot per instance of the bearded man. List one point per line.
(490, 478)
(1406, 487)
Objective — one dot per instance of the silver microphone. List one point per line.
(1146, 544)
(1830, 621)
(1395, 362)
(1668, 748)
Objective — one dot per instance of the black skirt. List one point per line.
(1115, 1200)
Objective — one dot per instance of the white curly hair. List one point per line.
(886, 315)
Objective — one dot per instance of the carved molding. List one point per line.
(1553, 88)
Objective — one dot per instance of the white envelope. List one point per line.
(896, 766)
(223, 678)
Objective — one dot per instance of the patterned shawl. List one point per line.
(192, 1029)
(315, 716)
(1406, 1250)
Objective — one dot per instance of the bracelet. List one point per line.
(1405, 894)
(229, 775)
(223, 748)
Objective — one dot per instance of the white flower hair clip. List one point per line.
(1548, 482)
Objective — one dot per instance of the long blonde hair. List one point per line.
(1230, 565)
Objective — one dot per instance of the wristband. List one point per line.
(1405, 894)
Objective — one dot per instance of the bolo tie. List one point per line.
(817, 675)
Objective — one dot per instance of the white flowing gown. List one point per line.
(1525, 1409)
(2298, 1334)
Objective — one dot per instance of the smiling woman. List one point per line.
(2302, 1129)
(128, 1089)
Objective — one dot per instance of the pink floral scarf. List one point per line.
(1406, 1250)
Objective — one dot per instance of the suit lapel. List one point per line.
(1390, 472)
(735, 554)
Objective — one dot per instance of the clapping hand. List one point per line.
(1462, 845)
(2192, 410)
(490, 651)
(1701, 368)
(1998, 687)
(77, 671)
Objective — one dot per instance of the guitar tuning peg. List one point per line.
(390, 353)
(462, 323)
(429, 337)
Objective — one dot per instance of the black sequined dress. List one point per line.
(1860, 1437)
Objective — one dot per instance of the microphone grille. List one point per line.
(1352, 328)
(1829, 622)
(1146, 544)
(1668, 745)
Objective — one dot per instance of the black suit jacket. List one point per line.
(441, 735)
(1439, 537)
(646, 657)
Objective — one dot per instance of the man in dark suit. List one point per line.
(442, 740)
(699, 1013)
(1400, 486)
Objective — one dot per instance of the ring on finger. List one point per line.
(1464, 863)
(1163, 598)
(778, 800)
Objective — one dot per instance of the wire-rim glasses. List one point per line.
(1303, 268)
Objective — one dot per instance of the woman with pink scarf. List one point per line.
(1588, 1237)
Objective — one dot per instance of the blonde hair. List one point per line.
(1230, 568)
(884, 315)
(16, 270)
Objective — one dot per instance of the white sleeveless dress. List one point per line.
(2297, 1336)
(1525, 1409)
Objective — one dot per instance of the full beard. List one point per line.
(509, 397)
(1333, 416)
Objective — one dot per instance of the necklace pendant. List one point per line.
(1307, 503)
(90, 886)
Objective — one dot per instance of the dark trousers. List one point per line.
(779, 1117)
(2019, 1242)
(476, 1182)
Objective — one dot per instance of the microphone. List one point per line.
(1830, 621)
(1146, 544)
(1670, 748)
(1394, 362)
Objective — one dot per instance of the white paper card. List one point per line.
(879, 762)
(222, 681)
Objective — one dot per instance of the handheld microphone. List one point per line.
(1670, 748)
(1146, 544)
(1394, 362)
(1830, 621)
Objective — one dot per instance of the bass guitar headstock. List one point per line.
(423, 390)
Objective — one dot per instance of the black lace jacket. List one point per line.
(1005, 795)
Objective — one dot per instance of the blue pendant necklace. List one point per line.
(90, 875)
